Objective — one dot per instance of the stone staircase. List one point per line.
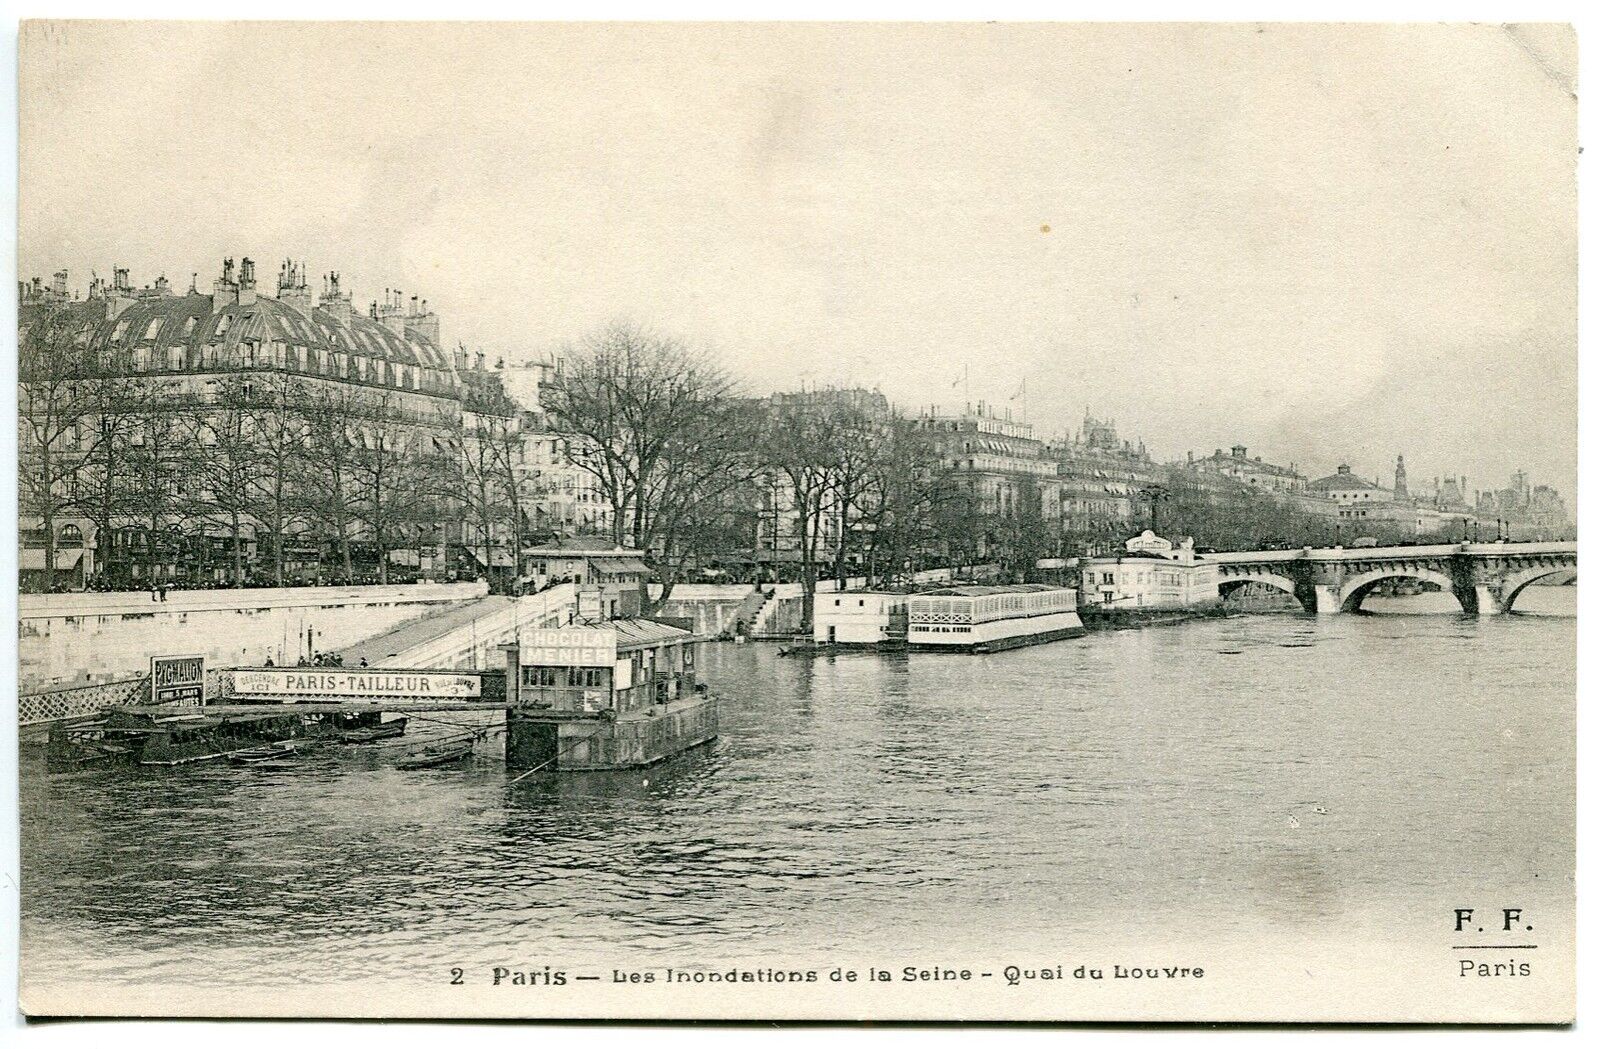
(466, 638)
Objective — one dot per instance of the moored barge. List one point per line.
(163, 735)
(991, 618)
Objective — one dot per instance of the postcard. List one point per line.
(962, 522)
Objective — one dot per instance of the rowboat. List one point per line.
(283, 749)
(259, 755)
(373, 733)
(440, 754)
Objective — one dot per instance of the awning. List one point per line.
(619, 566)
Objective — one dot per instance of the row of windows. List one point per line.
(564, 677)
(69, 535)
(296, 358)
(352, 339)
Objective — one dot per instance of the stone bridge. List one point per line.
(1485, 577)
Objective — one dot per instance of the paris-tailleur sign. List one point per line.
(313, 682)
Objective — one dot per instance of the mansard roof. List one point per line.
(194, 320)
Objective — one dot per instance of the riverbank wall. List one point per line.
(67, 640)
(1134, 618)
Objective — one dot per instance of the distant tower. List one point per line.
(1400, 493)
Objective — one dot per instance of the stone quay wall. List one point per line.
(68, 640)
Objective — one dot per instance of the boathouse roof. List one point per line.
(584, 546)
(978, 590)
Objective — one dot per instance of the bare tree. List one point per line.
(389, 474)
(327, 477)
(906, 487)
(476, 481)
(800, 445)
(222, 477)
(508, 455)
(712, 455)
(159, 460)
(279, 431)
(490, 477)
(652, 422)
(858, 439)
(57, 409)
(104, 483)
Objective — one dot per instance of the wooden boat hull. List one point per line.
(374, 733)
(435, 760)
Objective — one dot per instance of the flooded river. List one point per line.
(1257, 781)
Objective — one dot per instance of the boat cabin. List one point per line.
(620, 666)
(859, 617)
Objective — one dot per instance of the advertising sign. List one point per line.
(571, 647)
(309, 682)
(178, 679)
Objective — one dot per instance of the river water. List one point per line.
(1258, 787)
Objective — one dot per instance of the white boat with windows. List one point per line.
(981, 618)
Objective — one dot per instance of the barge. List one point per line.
(991, 618)
(164, 735)
(156, 734)
(609, 695)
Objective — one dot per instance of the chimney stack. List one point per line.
(335, 303)
(120, 295)
(247, 281)
(421, 323)
(224, 290)
(391, 313)
(292, 289)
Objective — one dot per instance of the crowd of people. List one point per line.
(322, 659)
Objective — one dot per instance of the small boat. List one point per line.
(273, 752)
(373, 733)
(259, 755)
(446, 753)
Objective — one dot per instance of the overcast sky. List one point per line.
(1325, 243)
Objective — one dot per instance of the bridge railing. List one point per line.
(1491, 549)
(1352, 553)
(1366, 553)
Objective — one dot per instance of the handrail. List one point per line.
(1364, 553)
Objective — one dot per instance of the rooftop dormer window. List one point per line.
(223, 323)
(121, 330)
(188, 325)
(154, 328)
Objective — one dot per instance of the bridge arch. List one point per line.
(1354, 590)
(1517, 582)
(1229, 584)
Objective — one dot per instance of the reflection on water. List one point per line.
(1228, 777)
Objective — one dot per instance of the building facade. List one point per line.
(1237, 465)
(998, 460)
(1150, 574)
(1104, 480)
(209, 405)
